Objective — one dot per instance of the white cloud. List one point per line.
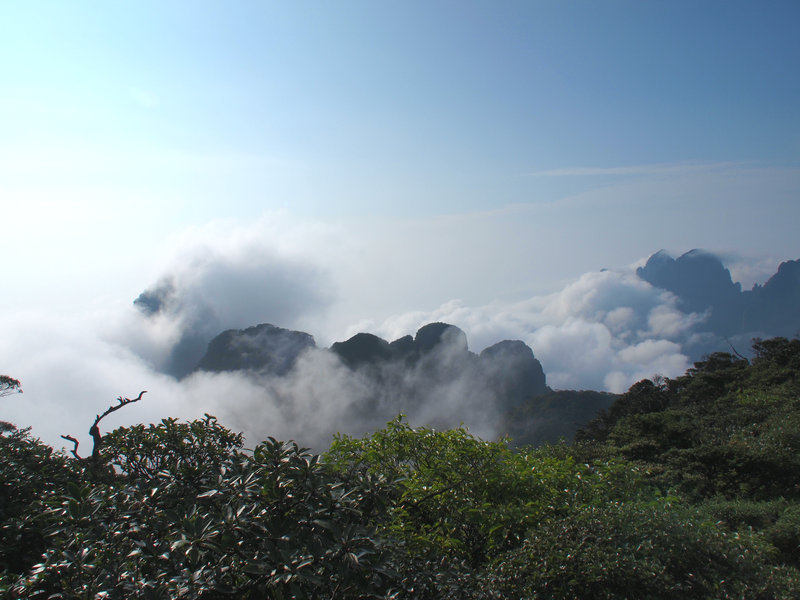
(608, 322)
(667, 321)
(601, 330)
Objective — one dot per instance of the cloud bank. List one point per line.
(603, 330)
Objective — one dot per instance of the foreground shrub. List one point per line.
(459, 501)
(30, 472)
(635, 550)
(266, 524)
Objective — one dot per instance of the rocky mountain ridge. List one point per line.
(703, 285)
(435, 378)
(508, 369)
(432, 376)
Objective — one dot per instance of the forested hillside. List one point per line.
(682, 488)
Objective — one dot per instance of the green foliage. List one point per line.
(725, 428)
(778, 520)
(776, 360)
(190, 452)
(635, 550)
(784, 534)
(552, 416)
(270, 524)
(30, 472)
(459, 500)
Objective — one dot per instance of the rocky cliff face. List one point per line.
(364, 349)
(775, 307)
(432, 377)
(506, 373)
(698, 278)
(512, 372)
(262, 349)
(409, 371)
(703, 285)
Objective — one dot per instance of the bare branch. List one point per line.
(75, 448)
(735, 351)
(94, 430)
(121, 402)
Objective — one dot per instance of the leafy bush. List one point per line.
(268, 524)
(458, 501)
(182, 510)
(784, 534)
(636, 550)
(30, 472)
(736, 514)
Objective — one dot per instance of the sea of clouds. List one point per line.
(602, 330)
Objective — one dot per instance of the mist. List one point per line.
(602, 330)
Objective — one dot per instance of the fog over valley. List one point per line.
(296, 378)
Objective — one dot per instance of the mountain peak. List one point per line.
(433, 334)
(262, 348)
(698, 278)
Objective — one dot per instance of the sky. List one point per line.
(349, 166)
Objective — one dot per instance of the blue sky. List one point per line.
(402, 109)
(403, 155)
(152, 117)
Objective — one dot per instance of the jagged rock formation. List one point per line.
(262, 349)
(508, 369)
(363, 349)
(703, 285)
(512, 372)
(432, 377)
(433, 374)
(698, 278)
(775, 307)
(438, 354)
(435, 335)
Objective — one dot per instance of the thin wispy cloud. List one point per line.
(634, 170)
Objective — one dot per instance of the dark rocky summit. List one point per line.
(405, 374)
(698, 278)
(436, 335)
(703, 285)
(438, 354)
(512, 372)
(774, 308)
(262, 349)
(361, 349)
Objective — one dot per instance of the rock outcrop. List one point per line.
(703, 285)
(263, 348)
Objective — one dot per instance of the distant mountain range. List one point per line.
(703, 285)
(434, 376)
(414, 375)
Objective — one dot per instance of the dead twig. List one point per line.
(94, 430)
(75, 448)
(735, 351)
